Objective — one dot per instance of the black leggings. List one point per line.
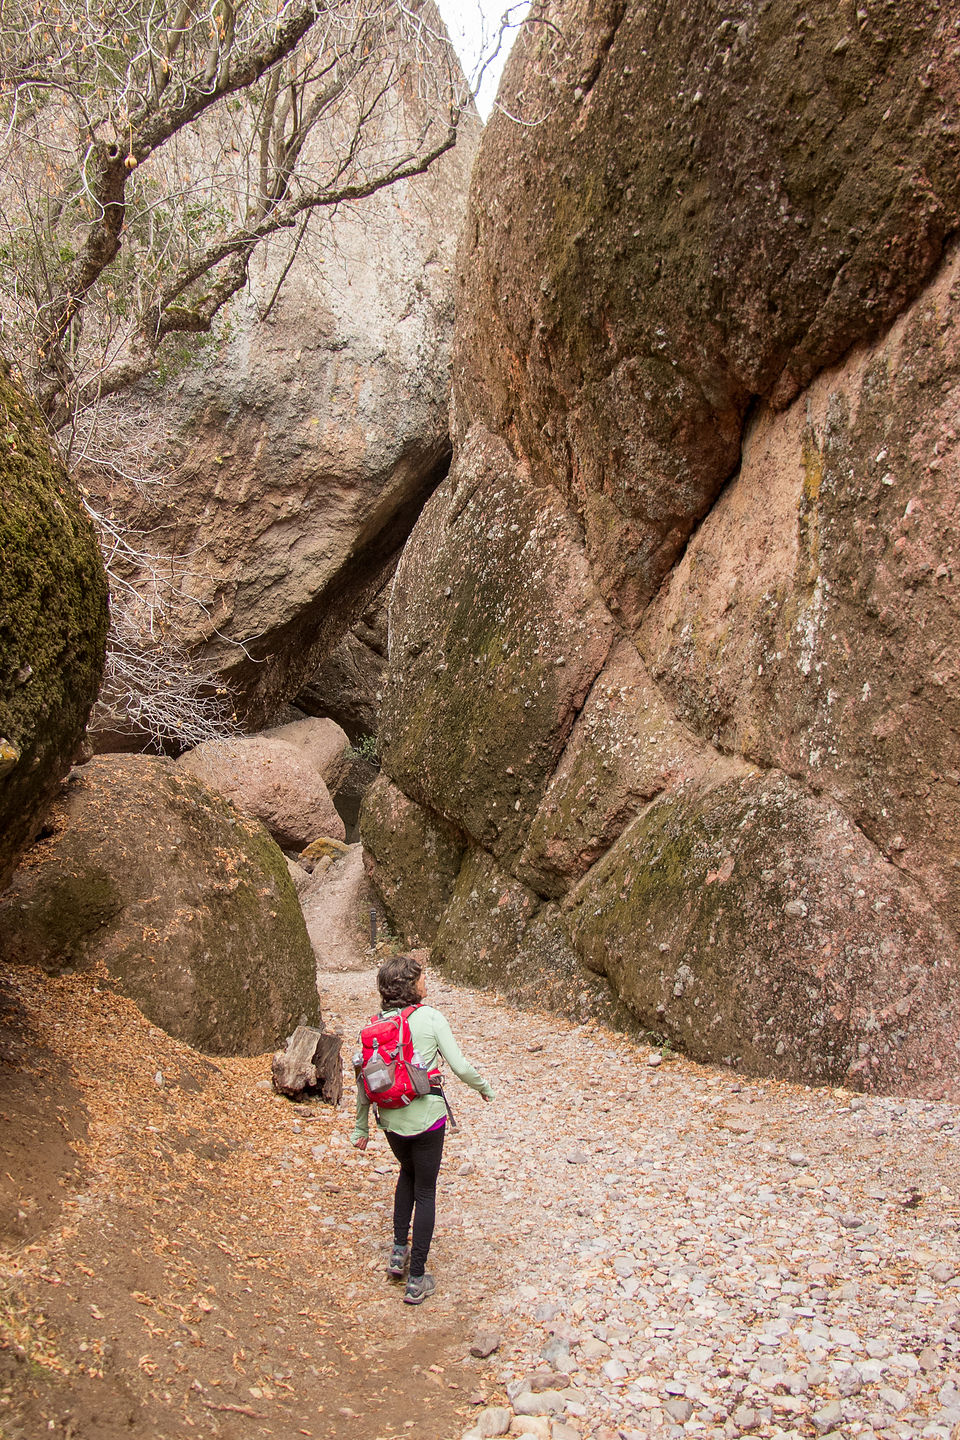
(419, 1157)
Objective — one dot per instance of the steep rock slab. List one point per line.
(752, 922)
(716, 204)
(814, 622)
(53, 623)
(297, 453)
(498, 633)
(412, 857)
(187, 902)
(626, 748)
(271, 779)
(715, 207)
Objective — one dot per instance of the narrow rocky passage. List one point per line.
(660, 1250)
(669, 1249)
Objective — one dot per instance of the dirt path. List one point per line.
(662, 1251)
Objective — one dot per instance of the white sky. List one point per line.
(474, 26)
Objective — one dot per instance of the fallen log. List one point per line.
(310, 1065)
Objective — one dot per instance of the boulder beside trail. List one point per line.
(53, 623)
(186, 902)
(271, 779)
(321, 741)
(752, 921)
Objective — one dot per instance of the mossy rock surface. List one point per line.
(53, 623)
(715, 202)
(187, 903)
(497, 934)
(497, 633)
(412, 858)
(751, 922)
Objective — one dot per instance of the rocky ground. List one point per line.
(668, 1249)
(644, 1249)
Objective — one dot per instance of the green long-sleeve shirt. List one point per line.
(431, 1035)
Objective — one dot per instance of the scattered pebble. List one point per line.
(485, 1343)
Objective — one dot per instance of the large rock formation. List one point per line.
(673, 647)
(53, 622)
(297, 453)
(271, 779)
(185, 901)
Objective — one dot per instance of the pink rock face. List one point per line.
(271, 780)
(710, 208)
(744, 810)
(814, 622)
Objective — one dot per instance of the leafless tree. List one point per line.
(147, 148)
(109, 251)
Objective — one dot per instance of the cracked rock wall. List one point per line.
(672, 649)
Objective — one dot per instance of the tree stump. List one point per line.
(310, 1064)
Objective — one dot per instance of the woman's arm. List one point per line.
(361, 1125)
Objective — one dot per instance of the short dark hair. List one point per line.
(397, 982)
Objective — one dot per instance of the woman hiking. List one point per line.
(415, 1132)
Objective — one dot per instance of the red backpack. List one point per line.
(387, 1066)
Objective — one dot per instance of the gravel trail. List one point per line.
(667, 1249)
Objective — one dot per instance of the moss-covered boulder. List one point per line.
(185, 901)
(496, 635)
(53, 622)
(752, 922)
(412, 858)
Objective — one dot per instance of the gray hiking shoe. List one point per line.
(418, 1288)
(397, 1263)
